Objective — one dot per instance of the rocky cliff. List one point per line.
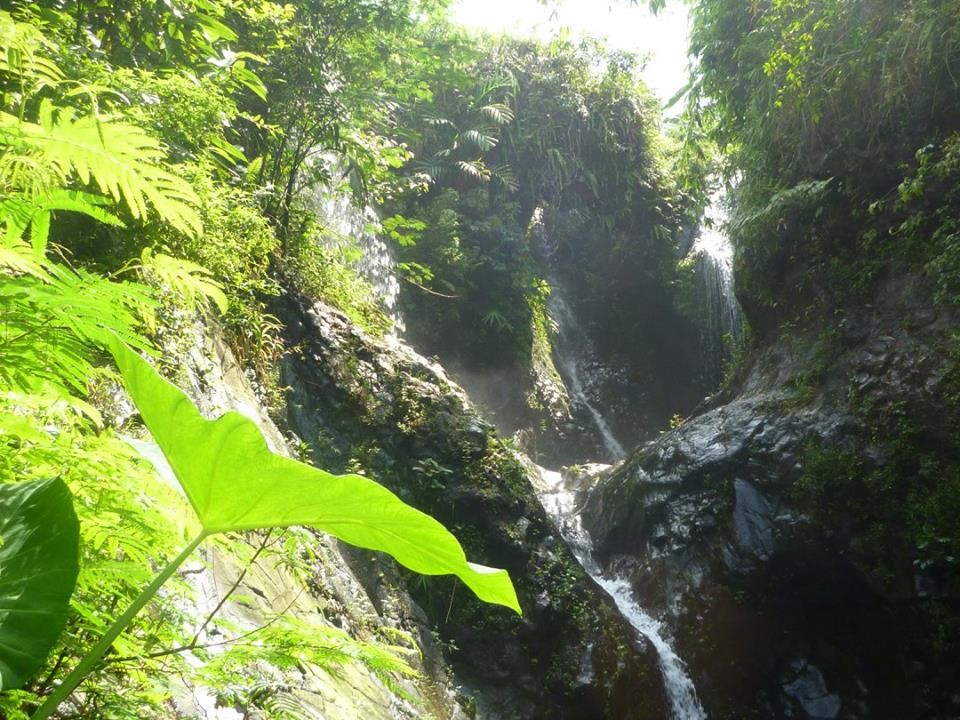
(237, 596)
(798, 532)
(381, 409)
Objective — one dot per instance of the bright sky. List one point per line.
(626, 27)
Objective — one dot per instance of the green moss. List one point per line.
(328, 272)
(541, 355)
(894, 490)
(827, 347)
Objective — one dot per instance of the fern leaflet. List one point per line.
(122, 159)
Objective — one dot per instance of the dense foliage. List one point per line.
(833, 116)
(564, 130)
(544, 165)
(164, 161)
(132, 199)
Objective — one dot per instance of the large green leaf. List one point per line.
(234, 482)
(39, 561)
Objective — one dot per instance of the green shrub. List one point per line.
(188, 113)
(327, 271)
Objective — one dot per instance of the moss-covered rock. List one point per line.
(802, 536)
(387, 412)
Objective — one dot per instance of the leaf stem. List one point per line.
(90, 660)
(233, 589)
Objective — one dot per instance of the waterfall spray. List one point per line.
(350, 226)
(713, 254)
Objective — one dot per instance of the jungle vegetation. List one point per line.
(158, 163)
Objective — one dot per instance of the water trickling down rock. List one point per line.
(560, 502)
(573, 352)
(348, 226)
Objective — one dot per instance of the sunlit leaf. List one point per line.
(234, 482)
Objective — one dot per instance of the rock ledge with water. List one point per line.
(381, 408)
(776, 531)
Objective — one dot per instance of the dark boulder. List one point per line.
(800, 538)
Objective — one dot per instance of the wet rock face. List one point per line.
(805, 685)
(777, 533)
(330, 595)
(385, 410)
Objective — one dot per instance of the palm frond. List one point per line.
(474, 169)
(434, 170)
(438, 122)
(486, 89)
(498, 112)
(480, 140)
(504, 174)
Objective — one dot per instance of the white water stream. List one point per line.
(714, 255)
(352, 228)
(560, 503)
(573, 345)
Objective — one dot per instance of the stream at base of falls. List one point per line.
(560, 502)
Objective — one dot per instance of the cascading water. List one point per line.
(583, 375)
(571, 349)
(714, 257)
(560, 503)
(351, 227)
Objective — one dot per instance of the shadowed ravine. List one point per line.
(574, 355)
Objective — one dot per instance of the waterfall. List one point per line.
(714, 258)
(560, 503)
(351, 228)
(572, 351)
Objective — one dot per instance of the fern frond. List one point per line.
(20, 212)
(283, 705)
(91, 304)
(26, 173)
(49, 325)
(123, 160)
(290, 641)
(19, 257)
(20, 54)
(184, 277)
(495, 319)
